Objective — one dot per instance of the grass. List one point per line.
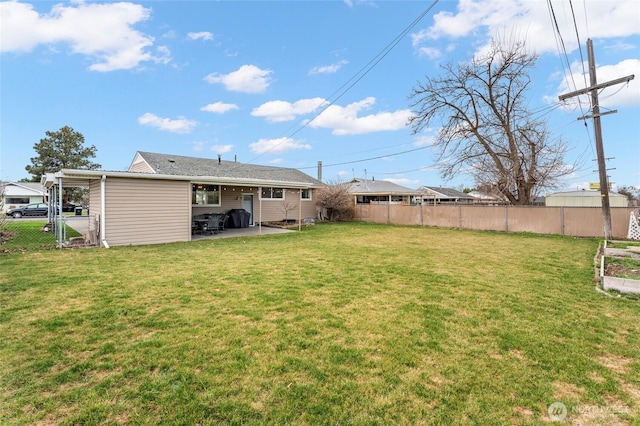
(28, 235)
(338, 324)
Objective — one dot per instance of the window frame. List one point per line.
(271, 192)
(21, 200)
(307, 190)
(194, 196)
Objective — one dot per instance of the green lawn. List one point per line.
(338, 324)
(28, 235)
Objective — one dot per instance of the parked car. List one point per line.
(38, 209)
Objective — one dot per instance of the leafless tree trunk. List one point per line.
(487, 130)
(287, 207)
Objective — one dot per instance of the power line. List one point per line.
(563, 54)
(575, 25)
(367, 159)
(342, 90)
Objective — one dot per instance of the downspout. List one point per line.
(103, 209)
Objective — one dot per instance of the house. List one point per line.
(437, 195)
(487, 198)
(584, 198)
(382, 192)
(158, 197)
(19, 194)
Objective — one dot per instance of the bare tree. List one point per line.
(286, 207)
(336, 200)
(488, 131)
(631, 192)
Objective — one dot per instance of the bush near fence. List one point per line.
(573, 221)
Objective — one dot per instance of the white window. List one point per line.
(272, 193)
(205, 194)
(305, 194)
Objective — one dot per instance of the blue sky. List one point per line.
(290, 83)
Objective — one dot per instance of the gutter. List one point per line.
(221, 180)
(103, 209)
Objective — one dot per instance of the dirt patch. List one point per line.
(616, 363)
(621, 271)
(563, 391)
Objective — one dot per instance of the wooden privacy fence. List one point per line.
(575, 221)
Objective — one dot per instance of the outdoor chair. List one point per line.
(222, 221)
(213, 224)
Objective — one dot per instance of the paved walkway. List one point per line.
(81, 224)
(242, 232)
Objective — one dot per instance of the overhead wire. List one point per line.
(562, 51)
(349, 84)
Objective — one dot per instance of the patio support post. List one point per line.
(59, 216)
(103, 209)
(260, 208)
(300, 209)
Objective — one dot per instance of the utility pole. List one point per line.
(597, 128)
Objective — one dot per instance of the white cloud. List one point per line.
(277, 161)
(354, 3)
(426, 140)
(219, 107)
(247, 79)
(328, 69)
(487, 18)
(180, 125)
(202, 35)
(277, 111)
(103, 32)
(345, 120)
(277, 146)
(222, 149)
(430, 52)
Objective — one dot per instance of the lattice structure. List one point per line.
(634, 226)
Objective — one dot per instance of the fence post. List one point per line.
(506, 218)
(562, 220)
(459, 216)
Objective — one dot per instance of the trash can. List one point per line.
(78, 210)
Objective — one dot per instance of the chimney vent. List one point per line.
(320, 171)
(219, 158)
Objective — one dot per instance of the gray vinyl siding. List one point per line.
(146, 211)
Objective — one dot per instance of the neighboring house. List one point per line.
(486, 198)
(19, 194)
(584, 198)
(156, 200)
(438, 195)
(373, 191)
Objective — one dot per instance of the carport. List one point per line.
(86, 225)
